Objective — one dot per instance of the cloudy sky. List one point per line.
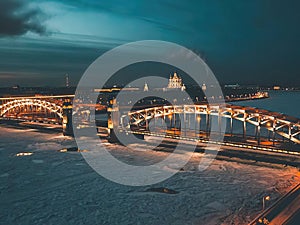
(248, 42)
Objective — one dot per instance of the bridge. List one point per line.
(194, 122)
(46, 109)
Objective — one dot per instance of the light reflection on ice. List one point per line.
(24, 154)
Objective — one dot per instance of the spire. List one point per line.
(67, 80)
(183, 87)
(175, 75)
(146, 88)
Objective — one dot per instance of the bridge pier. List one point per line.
(67, 119)
(231, 124)
(244, 125)
(113, 125)
(273, 130)
(207, 124)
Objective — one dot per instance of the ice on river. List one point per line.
(52, 187)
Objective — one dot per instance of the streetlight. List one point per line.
(266, 198)
(170, 118)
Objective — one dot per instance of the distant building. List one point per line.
(146, 88)
(15, 87)
(175, 82)
(232, 86)
(276, 87)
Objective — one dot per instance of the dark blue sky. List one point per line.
(251, 42)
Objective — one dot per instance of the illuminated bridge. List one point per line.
(46, 109)
(194, 122)
(256, 126)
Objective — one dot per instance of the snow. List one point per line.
(52, 187)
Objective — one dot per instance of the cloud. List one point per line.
(17, 17)
(136, 11)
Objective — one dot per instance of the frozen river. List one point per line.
(52, 187)
(286, 102)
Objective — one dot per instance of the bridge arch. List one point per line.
(280, 124)
(52, 107)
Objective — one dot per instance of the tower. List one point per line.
(146, 88)
(67, 80)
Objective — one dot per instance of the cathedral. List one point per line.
(175, 82)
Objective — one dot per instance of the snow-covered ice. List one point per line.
(52, 187)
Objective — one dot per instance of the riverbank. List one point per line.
(247, 98)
